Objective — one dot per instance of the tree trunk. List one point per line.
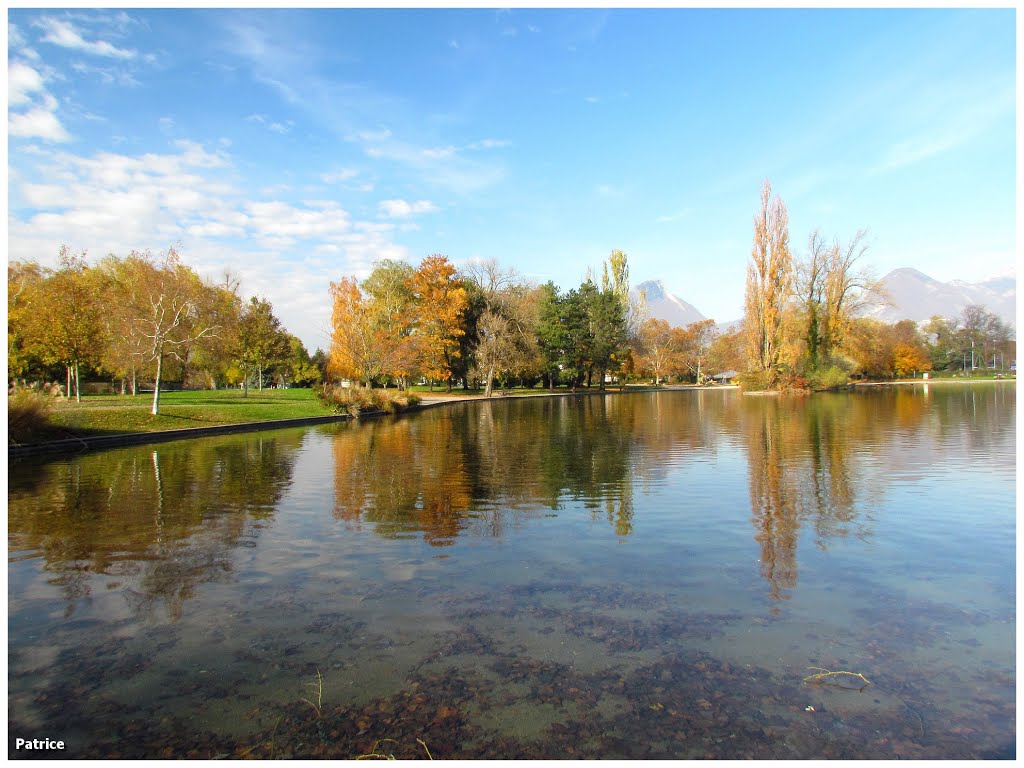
(135, 383)
(156, 384)
(259, 371)
(68, 390)
(78, 384)
(489, 388)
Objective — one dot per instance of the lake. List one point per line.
(648, 575)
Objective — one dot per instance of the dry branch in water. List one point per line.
(827, 677)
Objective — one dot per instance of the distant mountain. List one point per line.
(916, 296)
(663, 305)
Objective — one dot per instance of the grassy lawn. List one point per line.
(119, 414)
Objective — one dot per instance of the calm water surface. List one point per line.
(651, 575)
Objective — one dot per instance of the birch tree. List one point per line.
(168, 313)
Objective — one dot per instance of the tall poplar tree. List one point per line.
(769, 279)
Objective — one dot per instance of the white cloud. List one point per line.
(378, 135)
(439, 166)
(438, 153)
(288, 251)
(108, 75)
(64, 34)
(16, 42)
(38, 123)
(22, 82)
(397, 209)
(274, 126)
(339, 175)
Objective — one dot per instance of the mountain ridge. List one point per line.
(913, 295)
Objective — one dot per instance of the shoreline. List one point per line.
(431, 400)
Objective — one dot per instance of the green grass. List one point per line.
(977, 375)
(120, 414)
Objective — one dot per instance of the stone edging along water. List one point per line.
(81, 444)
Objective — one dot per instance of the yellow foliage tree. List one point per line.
(906, 358)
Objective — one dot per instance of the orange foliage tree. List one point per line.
(439, 302)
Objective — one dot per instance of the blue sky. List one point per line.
(296, 147)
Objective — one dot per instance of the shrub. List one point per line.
(28, 416)
(832, 377)
(357, 400)
(755, 381)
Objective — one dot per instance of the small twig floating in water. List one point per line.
(319, 685)
(827, 677)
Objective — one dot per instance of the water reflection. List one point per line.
(164, 520)
(827, 460)
(155, 523)
(531, 578)
(480, 469)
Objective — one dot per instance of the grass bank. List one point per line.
(99, 415)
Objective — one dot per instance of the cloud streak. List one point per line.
(65, 35)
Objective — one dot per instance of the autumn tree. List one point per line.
(220, 305)
(505, 338)
(849, 287)
(769, 277)
(615, 278)
(390, 295)
(69, 315)
(126, 346)
(659, 348)
(24, 310)
(909, 358)
(698, 338)
(354, 352)
(726, 351)
(439, 300)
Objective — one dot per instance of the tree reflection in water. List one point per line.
(160, 522)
